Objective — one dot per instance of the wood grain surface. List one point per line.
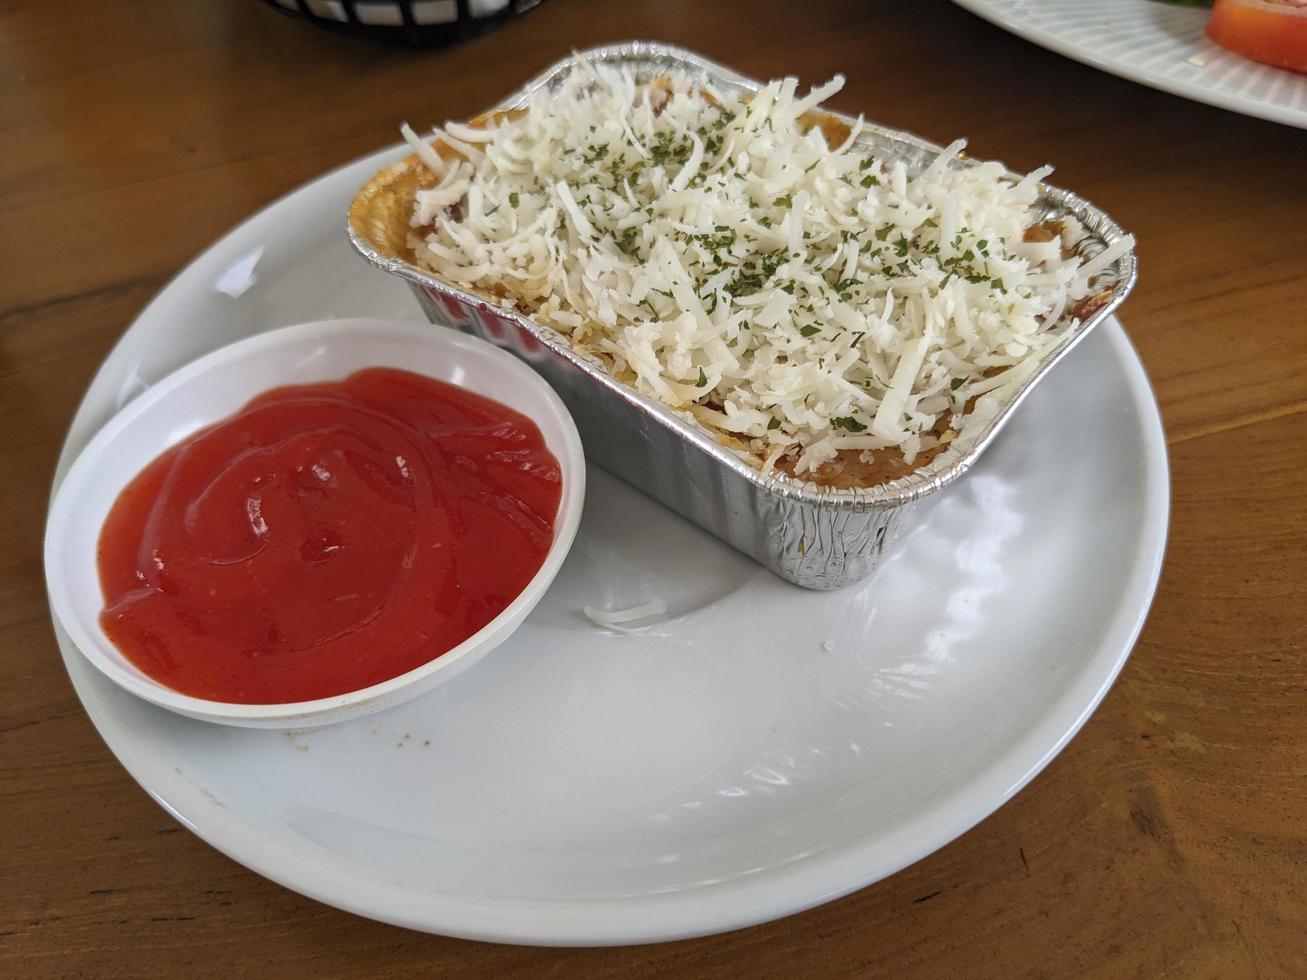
(1169, 839)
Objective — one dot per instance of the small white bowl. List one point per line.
(219, 384)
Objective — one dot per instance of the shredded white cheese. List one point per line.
(804, 298)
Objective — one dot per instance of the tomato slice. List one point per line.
(1273, 32)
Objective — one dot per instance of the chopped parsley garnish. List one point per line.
(626, 241)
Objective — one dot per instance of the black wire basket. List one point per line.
(419, 23)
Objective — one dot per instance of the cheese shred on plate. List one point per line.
(812, 303)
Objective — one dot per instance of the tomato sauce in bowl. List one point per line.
(326, 538)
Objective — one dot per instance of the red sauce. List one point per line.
(326, 537)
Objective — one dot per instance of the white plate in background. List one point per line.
(1156, 44)
(758, 750)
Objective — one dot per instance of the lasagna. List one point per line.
(753, 263)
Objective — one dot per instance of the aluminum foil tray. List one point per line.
(813, 536)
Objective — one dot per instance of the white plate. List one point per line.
(756, 751)
(1156, 44)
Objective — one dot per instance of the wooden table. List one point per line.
(1169, 839)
